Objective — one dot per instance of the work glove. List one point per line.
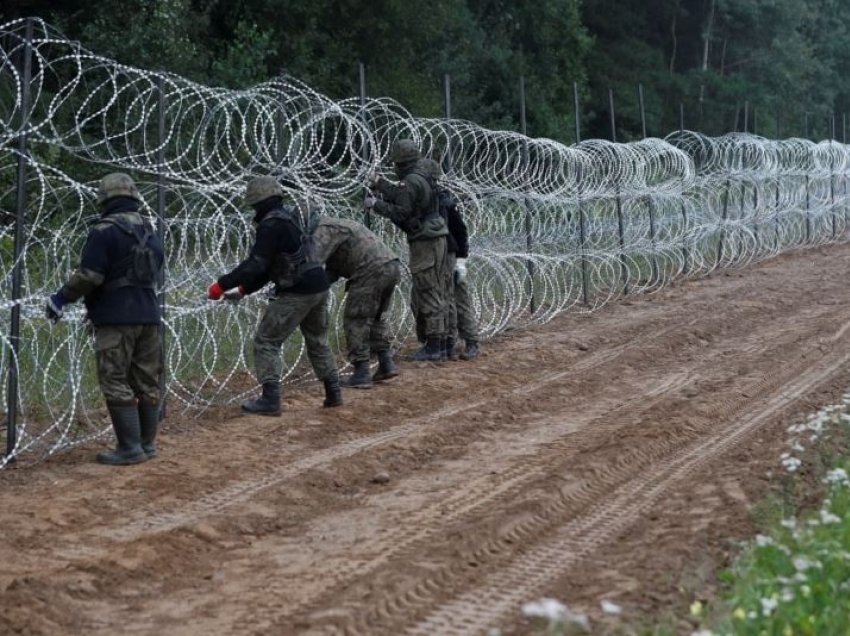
(369, 201)
(235, 295)
(53, 307)
(215, 291)
(460, 270)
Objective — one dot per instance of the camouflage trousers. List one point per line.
(284, 314)
(429, 288)
(366, 303)
(461, 321)
(129, 362)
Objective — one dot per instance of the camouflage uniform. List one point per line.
(285, 313)
(283, 253)
(351, 251)
(412, 206)
(462, 321)
(120, 268)
(126, 321)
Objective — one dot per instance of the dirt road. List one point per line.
(615, 455)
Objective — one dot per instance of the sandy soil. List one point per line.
(610, 456)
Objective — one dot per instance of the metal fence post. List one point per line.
(685, 254)
(160, 231)
(624, 274)
(649, 203)
(20, 220)
(528, 239)
(361, 67)
(582, 221)
(448, 164)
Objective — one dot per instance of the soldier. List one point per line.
(120, 268)
(460, 314)
(350, 250)
(412, 206)
(462, 320)
(283, 254)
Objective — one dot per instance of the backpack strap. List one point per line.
(126, 263)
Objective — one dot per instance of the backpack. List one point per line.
(290, 267)
(141, 267)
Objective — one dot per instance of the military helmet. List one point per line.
(117, 184)
(261, 188)
(404, 151)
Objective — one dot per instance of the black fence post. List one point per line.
(642, 105)
(17, 269)
(650, 205)
(448, 163)
(528, 238)
(624, 273)
(685, 254)
(361, 68)
(582, 220)
(160, 232)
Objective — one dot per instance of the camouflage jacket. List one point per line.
(412, 203)
(349, 249)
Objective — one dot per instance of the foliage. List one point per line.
(795, 578)
(777, 66)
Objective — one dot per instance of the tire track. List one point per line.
(483, 607)
(597, 424)
(237, 493)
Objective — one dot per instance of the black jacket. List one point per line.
(275, 238)
(104, 253)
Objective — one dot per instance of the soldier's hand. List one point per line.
(460, 270)
(53, 307)
(235, 295)
(215, 291)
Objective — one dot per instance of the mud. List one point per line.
(607, 456)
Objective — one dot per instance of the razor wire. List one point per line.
(552, 227)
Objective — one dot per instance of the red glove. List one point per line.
(215, 291)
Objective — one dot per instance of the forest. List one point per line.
(775, 67)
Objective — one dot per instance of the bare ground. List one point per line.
(609, 456)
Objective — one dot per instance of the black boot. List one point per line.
(333, 392)
(431, 352)
(386, 367)
(267, 404)
(451, 353)
(361, 378)
(148, 425)
(472, 350)
(125, 422)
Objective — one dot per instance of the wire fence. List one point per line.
(553, 227)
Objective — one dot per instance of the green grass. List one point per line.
(794, 579)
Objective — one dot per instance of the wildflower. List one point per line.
(806, 591)
(789, 523)
(791, 464)
(787, 631)
(768, 605)
(787, 595)
(827, 517)
(739, 613)
(762, 541)
(801, 563)
(696, 608)
(703, 632)
(610, 608)
(837, 476)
